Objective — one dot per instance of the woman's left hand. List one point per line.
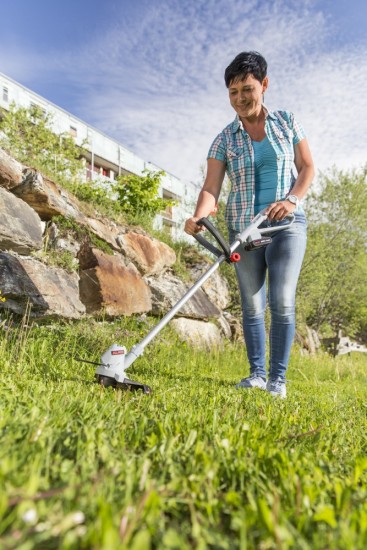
(277, 211)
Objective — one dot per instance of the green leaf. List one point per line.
(326, 514)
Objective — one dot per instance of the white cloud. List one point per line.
(155, 79)
(328, 97)
(177, 103)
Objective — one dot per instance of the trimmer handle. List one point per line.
(274, 228)
(218, 237)
(250, 234)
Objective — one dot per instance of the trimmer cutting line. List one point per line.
(115, 361)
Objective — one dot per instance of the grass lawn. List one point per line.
(196, 465)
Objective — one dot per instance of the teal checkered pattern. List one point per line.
(233, 147)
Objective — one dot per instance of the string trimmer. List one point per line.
(115, 360)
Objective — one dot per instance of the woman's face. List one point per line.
(246, 96)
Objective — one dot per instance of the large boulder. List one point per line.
(20, 226)
(47, 291)
(216, 287)
(10, 171)
(106, 230)
(46, 197)
(167, 290)
(108, 285)
(148, 254)
(198, 334)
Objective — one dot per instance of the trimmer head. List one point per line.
(111, 370)
(127, 384)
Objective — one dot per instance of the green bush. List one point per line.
(139, 194)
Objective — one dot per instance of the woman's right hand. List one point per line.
(191, 227)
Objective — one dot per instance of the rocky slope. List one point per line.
(130, 275)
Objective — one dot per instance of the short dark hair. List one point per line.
(244, 64)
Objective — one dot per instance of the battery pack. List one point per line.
(257, 243)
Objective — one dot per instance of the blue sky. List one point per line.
(150, 74)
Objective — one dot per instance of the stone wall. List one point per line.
(135, 277)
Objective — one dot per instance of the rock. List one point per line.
(109, 286)
(20, 226)
(216, 287)
(148, 254)
(50, 291)
(47, 198)
(67, 243)
(10, 171)
(105, 230)
(225, 327)
(198, 334)
(167, 290)
(235, 324)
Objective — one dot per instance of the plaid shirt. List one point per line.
(233, 147)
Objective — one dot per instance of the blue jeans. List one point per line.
(282, 261)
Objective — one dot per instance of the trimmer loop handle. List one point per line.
(249, 235)
(218, 237)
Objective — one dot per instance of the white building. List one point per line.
(107, 158)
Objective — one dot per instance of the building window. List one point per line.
(91, 171)
(5, 94)
(73, 131)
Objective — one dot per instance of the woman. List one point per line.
(258, 151)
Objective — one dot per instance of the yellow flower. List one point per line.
(2, 299)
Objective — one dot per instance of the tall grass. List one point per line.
(196, 465)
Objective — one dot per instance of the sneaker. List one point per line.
(277, 387)
(253, 381)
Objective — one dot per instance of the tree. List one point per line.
(26, 133)
(332, 288)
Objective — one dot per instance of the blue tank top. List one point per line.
(265, 174)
